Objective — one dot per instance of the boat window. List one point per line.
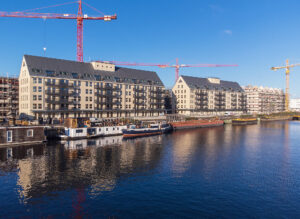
(30, 133)
(106, 129)
(79, 131)
(9, 136)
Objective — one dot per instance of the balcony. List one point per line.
(156, 91)
(201, 93)
(98, 87)
(100, 95)
(138, 90)
(117, 102)
(116, 89)
(115, 95)
(139, 96)
(52, 93)
(59, 84)
(138, 101)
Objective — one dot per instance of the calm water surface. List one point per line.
(230, 171)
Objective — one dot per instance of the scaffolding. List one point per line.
(9, 98)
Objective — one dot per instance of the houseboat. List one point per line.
(91, 132)
(246, 121)
(21, 135)
(154, 129)
(196, 124)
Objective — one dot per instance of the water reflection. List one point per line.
(96, 163)
(194, 169)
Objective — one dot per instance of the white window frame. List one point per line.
(30, 131)
(9, 139)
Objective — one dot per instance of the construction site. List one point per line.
(56, 88)
(9, 98)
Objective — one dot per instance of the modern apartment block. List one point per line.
(295, 104)
(264, 99)
(55, 88)
(9, 98)
(208, 96)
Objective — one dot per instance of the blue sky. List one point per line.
(255, 34)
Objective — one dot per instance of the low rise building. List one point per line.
(208, 96)
(264, 99)
(295, 104)
(9, 98)
(56, 88)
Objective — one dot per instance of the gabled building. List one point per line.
(56, 88)
(208, 96)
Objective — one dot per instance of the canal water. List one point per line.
(230, 172)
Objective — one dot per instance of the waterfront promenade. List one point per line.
(230, 171)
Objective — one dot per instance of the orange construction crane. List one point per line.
(287, 81)
(79, 17)
(177, 66)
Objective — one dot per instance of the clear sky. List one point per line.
(255, 34)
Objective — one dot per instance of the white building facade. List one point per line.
(264, 99)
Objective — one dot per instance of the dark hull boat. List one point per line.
(134, 132)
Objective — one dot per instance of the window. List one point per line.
(40, 89)
(34, 89)
(91, 99)
(40, 80)
(40, 97)
(91, 91)
(50, 73)
(86, 98)
(86, 106)
(86, 91)
(9, 136)
(91, 106)
(34, 106)
(34, 97)
(34, 80)
(40, 106)
(79, 131)
(91, 84)
(30, 133)
(87, 83)
(75, 75)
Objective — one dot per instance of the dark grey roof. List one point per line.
(204, 83)
(43, 66)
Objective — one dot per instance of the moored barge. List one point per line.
(196, 124)
(246, 121)
(21, 135)
(91, 132)
(154, 129)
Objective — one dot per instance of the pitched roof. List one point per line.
(204, 83)
(40, 66)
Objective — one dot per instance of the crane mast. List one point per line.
(80, 33)
(287, 81)
(79, 17)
